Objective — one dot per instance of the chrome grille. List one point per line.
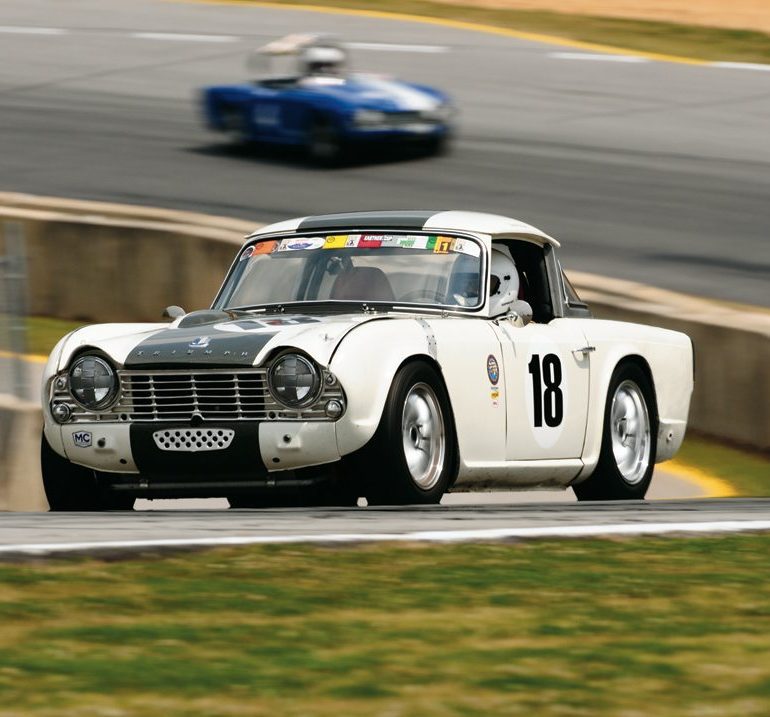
(179, 396)
(214, 394)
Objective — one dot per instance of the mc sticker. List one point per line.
(82, 439)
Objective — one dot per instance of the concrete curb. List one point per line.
(21, 487)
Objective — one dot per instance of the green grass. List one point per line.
(746, 471)
(644, 627)
(43, 333)
(708, 43)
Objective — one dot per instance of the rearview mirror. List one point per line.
(173, 312)
(520, 312)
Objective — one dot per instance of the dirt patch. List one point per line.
(739, 14)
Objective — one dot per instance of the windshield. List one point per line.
(373, 267)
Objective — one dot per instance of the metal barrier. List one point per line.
(13, 311)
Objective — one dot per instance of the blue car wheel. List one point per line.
(325, 145)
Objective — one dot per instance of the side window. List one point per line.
(533, 278)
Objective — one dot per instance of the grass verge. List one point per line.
(43, 333)
(546, 628)
(746, 471)
(691, 41)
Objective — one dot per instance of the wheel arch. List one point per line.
(365, 363)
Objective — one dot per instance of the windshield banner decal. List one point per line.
(435, 243)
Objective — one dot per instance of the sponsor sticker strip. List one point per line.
(438, 244)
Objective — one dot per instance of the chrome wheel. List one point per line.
(630, 431)
(424, 436)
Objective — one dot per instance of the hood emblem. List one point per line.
(200, 343)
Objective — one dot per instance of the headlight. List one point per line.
(369, 118)
(294, 381)
(440, 113)
(93, 383)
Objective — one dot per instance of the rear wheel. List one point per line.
(413, 456)
(72, 487)
(627, 457)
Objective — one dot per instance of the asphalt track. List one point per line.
(57, 533)
(650, 171)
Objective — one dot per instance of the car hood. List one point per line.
(382, 94)
(220, 342)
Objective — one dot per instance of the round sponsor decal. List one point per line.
(493, 370)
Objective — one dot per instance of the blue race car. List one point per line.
(324, 108)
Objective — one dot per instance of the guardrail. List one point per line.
(95, 262)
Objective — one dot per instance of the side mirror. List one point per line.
(520, 312)
(173, 312)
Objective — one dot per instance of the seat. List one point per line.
(362, 283)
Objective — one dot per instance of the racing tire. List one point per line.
(325, 145)
(412, 458)
(438, 146)
(629, 439)
(69, 486)
(237, 126)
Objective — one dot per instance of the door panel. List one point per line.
(546, 389)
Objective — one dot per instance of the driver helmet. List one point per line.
(504, 282)
(322, 60)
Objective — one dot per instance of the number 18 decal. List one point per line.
(547, 396)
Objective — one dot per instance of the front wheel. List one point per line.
(72, 487)
(325, 145)
(412, 458)
(627, 457)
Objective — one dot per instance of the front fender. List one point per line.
(365, 363)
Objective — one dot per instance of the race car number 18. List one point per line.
(548, 399)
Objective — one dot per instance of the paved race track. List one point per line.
(25, 533)
(649, 171)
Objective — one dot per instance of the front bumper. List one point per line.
(416, 132)
(256, 449)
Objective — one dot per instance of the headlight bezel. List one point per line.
(113, 394)
(316, 386)
(364, 117)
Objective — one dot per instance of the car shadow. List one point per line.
(298, 157)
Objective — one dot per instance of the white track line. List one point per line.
(13, 29)
(392, 47)
(599, 57)
(179, 37)
(741, 66)
(436, 536)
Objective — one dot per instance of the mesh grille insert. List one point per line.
(192, 440)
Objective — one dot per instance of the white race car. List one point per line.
(391, 355)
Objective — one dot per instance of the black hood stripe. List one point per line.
(198, 346)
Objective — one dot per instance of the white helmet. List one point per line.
(504, 284)
(322, 60)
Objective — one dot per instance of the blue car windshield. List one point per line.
(433, 270)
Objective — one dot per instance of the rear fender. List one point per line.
(667, 354)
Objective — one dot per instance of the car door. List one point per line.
(546, 376)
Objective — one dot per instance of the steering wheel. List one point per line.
(415, 294)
